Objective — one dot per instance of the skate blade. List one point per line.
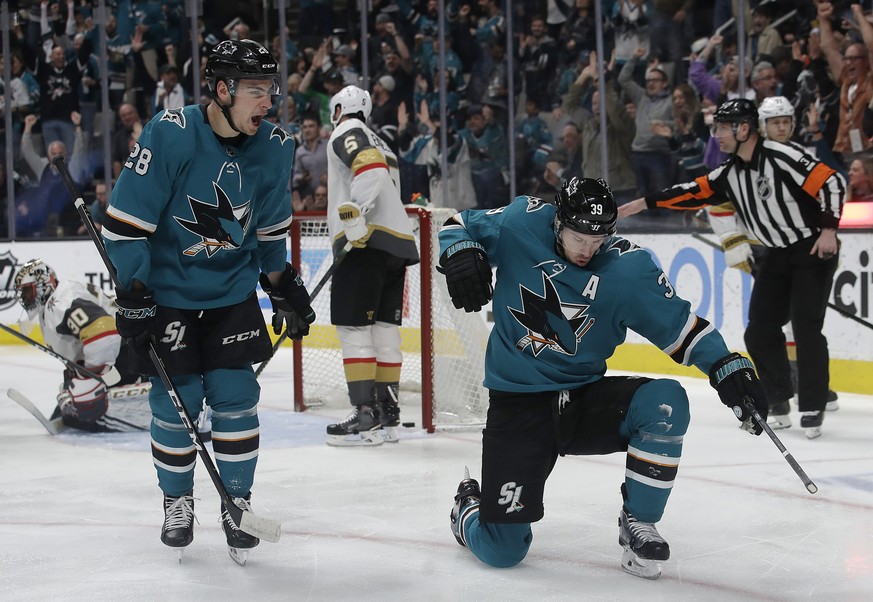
(363, 439)
(832, 406)
(779, 422)
(390, 434)
(238, 555)
(813, 432)
(640, 567)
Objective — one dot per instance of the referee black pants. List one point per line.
(791, 285)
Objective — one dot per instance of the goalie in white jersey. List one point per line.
(364, 209)
(77, 323)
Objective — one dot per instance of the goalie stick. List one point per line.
(340, 255)
(259, 526)
(68, 363)
(54, 426)
(108, 423)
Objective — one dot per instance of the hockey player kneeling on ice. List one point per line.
(567, 291)
(77, 322)
(199, 216)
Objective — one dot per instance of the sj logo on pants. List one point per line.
(510, 494)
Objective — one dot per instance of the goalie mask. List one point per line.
(34, 284)
(349, 101)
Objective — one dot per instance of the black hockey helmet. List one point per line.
(233, 60)
(585, 205)
(737, 111)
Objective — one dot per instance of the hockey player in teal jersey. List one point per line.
(567, 291)
(198, 217)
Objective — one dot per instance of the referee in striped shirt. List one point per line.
(791, 202)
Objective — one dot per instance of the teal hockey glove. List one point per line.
(736, 382)
(468, 275)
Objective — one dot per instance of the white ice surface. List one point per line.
(80, 514)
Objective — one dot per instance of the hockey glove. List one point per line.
(468, 275)
(738, 252)
(84, 398)
(135, 317)
(290, 303)
(736, 382)
(356, 229)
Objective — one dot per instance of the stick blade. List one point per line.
(260, 526)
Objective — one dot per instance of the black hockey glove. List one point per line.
(468, 275)
(736, 382)
(135, 317)
(290, 303)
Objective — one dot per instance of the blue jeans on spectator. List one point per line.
(59, 129)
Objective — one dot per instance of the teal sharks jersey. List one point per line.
(196, 220)
(556, 324)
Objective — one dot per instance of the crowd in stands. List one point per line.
(667, 65)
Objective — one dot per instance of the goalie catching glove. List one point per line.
(737, 384)
(468, 275)
(290, 303)
(355, 226)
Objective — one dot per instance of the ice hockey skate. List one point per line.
(178, 529)
(362, 427)
(466, 502)
(389, 416)
(811, 423)
(644, 548)
(238, 541)
(779, 417)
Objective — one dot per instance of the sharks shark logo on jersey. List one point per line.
(281, 134)
(174, 116)
(550, 324)
(220, 226)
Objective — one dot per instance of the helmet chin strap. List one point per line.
(225, 110)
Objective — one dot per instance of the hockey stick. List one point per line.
(56, 426)
(261, 527)
(340, 255)
(52, 426)
(68, 363)
(807, 482)
(836, 308)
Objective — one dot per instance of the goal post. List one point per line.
(443, 348)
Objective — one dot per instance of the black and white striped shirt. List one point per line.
(783, 195)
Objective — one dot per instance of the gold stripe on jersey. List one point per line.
(101, 326)
(369, 158)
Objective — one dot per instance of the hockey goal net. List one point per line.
(443, 348)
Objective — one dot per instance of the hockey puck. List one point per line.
(409, 424)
